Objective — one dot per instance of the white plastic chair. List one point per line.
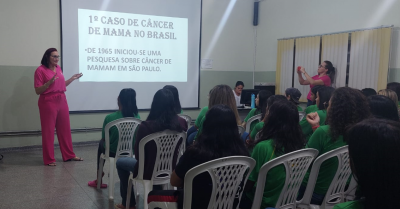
(335, 193)
(166, 142)
(252, 119)
(226, 175)
(350, 194)
(296, 165)
(187, 118)
(301, 115)
(126, 130)
(241, 130)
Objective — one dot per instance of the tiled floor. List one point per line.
(26, 183)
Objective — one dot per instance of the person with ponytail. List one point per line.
(126, 108)
(326, 74)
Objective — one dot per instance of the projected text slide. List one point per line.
(123, 47)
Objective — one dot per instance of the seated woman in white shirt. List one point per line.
(237, 91)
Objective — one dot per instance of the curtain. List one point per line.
(307, 56)
(284, 66)
(369, 58)
(334, 49)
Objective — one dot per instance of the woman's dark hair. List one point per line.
(263, 97)
(383, 107)
(238, 83)
(347, 107)
(162, 112)
(282, 126)
(174, 90)
(127, 102)
(314, 89)
(331, 70)
(46, 57)
(374, 149)
(394, 86)
(219, 136)
(324, 95)
(368, 92)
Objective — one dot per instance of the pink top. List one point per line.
(325, 79)
(44, 74)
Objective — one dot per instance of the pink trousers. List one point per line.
(54, 113)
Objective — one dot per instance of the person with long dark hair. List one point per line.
(162, 117)
(313, 96)
(50, 84)
(324, 94)
(126, 108)
(261, 107)
(374, 149)
(280, 135)
(368, 92)
(326, 74)
(174, 90)
(347, 107)
(219, 138)
(383, 107)
(257, 128)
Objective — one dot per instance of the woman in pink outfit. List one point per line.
(326, 73)
(50, 84)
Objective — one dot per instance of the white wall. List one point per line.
(289, 18)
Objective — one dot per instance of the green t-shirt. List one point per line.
(311, 108)
(256, 129)
(252, 113)
(350, 205)
(306, 127)
(114, 136)
(299, 109)
(200, 117)
(321, 141)
(262, 153)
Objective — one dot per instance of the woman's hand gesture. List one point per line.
(313, 119)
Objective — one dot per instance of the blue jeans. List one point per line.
(190, 138)
(126, 165)
(316, 199)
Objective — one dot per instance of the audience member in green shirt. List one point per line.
(220, 94)
(347, 107)
(257, 128)
(261, 103)
(324, 94)
(281, 134)
(177, 102)
(127, 108)
(293, 95)
(374, 149)
(313, 96)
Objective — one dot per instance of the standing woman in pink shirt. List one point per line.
(50, 84)
(326, 73)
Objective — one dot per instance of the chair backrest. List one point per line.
(296, 165)
(126, 131)
(226, 175)
(241, 130)
(252, 119)
(351, 191)
(301, 115)
(336, 190)
(257, 136)
(167, 143)
(187, 118)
